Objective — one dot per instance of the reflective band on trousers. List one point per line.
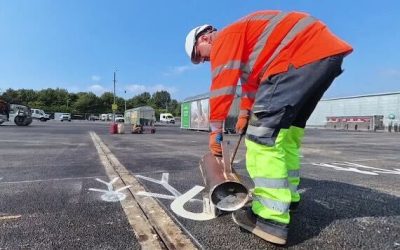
(282, 207)
(236, 64)
(258, 131)
(294, 173)
(270, 183)
(293, 188)
(231, 90)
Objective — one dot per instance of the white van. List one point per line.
(40, 115)
(167, 118)
(104, 117)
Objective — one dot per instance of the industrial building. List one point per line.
(363, 112)
(372, 112)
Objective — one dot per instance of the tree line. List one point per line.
(60, 100)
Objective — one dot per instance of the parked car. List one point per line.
(119, 119)
(65, 117)
(40, 115)
(93, 118)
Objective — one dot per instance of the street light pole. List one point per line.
(114, 99)
(125, 102)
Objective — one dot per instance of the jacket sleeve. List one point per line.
(226, 59)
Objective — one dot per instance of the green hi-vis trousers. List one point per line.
(275, 172)
(282, 106)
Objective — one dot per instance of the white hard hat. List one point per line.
(191, 41)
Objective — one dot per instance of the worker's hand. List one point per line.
(243, 120)
(215, 142)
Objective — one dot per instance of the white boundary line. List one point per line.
(148, 219)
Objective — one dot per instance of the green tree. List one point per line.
(106, 99)
(161, 99)
(87, 103)
(139, 100)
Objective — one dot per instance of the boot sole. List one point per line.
(262, 234)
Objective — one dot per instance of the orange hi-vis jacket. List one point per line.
(260, 45)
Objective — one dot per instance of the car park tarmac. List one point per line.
(59, 189)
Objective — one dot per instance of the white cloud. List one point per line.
(390, 73)
(97, 89)
(178, 70)
(136, 89)
(96, 78)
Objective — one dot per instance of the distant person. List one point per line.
(285, 62)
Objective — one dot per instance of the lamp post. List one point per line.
(113, 108)
(125, 101)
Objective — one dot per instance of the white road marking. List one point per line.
(148, 219)
(163, 182)
(354, 167)
(209, 212)
(324, 204)
(111, 195)
(45, 180)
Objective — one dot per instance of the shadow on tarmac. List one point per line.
(325, 202)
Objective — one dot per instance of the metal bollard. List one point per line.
(226, 192)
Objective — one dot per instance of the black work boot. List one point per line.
(268, 230)
(293, 206)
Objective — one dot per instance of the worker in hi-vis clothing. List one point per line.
(285, 62)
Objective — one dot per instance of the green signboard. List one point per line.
(185, 120)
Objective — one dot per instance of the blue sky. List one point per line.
(77, 45)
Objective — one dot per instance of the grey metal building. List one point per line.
(358, 108)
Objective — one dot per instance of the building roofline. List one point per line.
(360, 96)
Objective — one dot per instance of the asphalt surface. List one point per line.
(350, 188)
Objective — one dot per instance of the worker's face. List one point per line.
(203, 48)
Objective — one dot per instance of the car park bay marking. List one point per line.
(354, 167)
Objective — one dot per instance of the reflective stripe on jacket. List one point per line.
(263, 44)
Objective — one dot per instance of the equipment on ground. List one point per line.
(20, 114)
(226, 192)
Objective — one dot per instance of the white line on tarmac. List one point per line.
(144, 214)
(47, 180)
